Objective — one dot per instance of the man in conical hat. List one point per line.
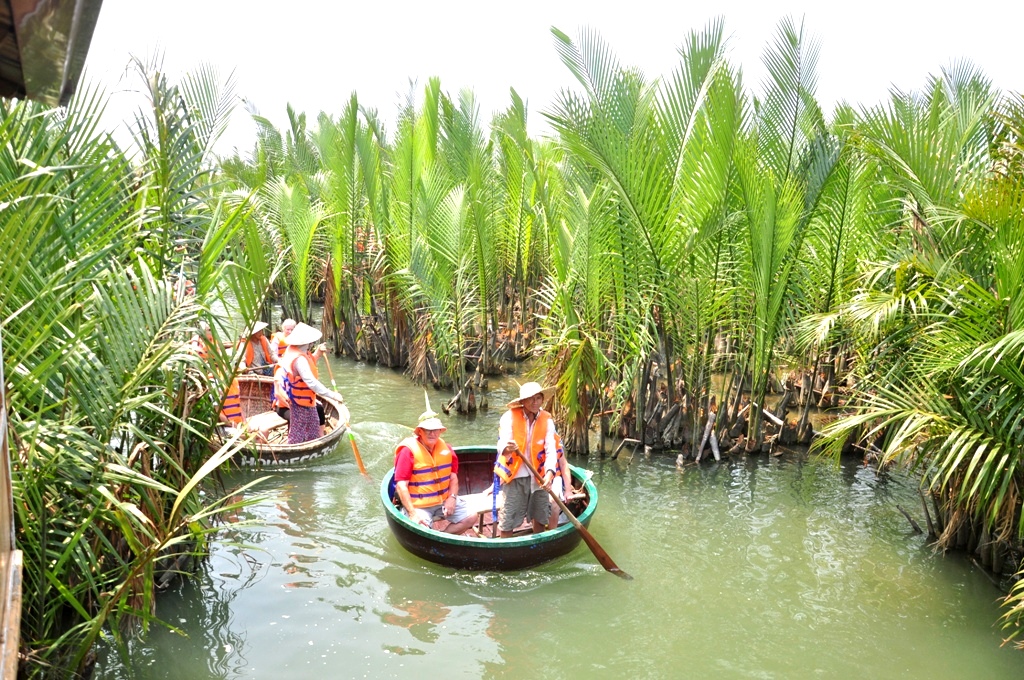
(526, 429)
(427, 477)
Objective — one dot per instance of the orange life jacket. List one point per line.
(232, 404)
(431, 478)
(278, 339)
(298, 391)
(202, 349)
(507, 465)
(250, 351)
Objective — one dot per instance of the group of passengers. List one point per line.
(529, 462)
(289, 357)
(426, 467)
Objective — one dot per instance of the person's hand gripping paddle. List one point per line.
(599, 552)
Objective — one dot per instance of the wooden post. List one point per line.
(10, 559)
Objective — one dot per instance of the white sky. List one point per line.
(313, 54)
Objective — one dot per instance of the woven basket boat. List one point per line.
(476, 549)
(275, 450)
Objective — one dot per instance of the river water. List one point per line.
(751, 568)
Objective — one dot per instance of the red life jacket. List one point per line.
(431, 478)
(507, 465)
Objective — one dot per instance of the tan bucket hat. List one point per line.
(430, 421)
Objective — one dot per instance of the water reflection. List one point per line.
(430, 614)
(201, 638)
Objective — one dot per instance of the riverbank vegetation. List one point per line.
(681, 249)
(676, 251)
(108, 439)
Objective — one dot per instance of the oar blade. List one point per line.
(602, 557)
(351, 436)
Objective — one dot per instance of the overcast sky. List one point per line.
(313, 54)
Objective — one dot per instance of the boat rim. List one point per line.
(256, 449)
(486, 542)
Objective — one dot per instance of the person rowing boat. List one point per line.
(306, 416)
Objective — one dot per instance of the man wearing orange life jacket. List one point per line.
(427, 477)
(526, 429)
(256, 351)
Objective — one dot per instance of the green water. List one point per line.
(752, 568)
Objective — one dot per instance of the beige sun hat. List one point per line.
(303, 334)
(256, 328)
(527, 390)
(430, 421)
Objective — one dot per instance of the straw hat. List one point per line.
(303, 334)
(256, 328)
(527, 390)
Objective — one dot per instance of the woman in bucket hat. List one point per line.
(427, 477)
(306, 416)
(526, 429)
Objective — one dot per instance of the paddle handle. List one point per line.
(348, 426)
(602, 556)
(355, 452)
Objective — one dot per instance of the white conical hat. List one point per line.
(256, 328)
(303, 334)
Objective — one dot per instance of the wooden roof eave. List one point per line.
(43, 45)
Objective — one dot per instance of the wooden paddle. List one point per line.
(348, 427)
(599, 552)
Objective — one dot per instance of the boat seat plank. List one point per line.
(481, 505)
(477, 503)
(265, 422)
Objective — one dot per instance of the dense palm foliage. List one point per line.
(109, 441)
(677, 250)
(682, 247)
(937, 319)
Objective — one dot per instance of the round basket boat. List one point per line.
(476, 549)
(275, 450)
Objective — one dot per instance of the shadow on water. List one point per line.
(752, 567)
